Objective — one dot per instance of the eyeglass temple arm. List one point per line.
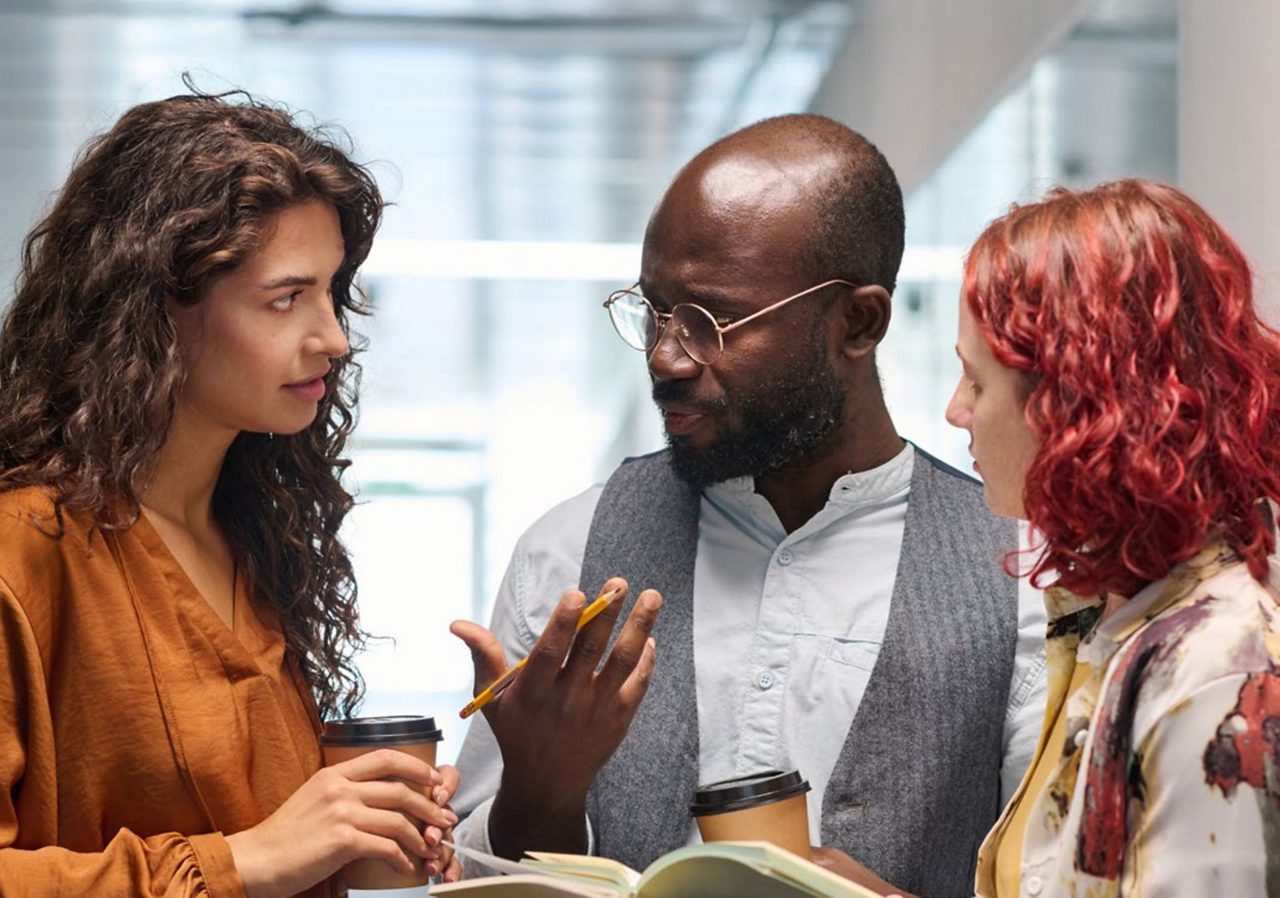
(613, 297)
(782, 302)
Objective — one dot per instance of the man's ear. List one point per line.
(866, 316)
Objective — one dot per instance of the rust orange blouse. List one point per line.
(135, 727)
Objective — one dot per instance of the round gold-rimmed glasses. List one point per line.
(699, 333)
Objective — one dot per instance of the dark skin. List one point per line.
(558, 724)
(729, 235)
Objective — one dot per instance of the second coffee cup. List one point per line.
(346, 739)
(767, 806)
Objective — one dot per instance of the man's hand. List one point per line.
(840, 863)
(561, 720)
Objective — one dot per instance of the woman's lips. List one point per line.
(309, 390)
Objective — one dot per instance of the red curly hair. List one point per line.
(1153, 386)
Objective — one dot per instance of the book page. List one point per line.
(516, 886)
(718, 877)
(742, 870)
(474, 859)
(580, 866)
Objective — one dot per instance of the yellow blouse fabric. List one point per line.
(1008, 850)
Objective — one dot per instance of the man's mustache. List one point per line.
(680, 392)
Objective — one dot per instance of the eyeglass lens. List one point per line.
(633, 320)
(693, 327)
(697, 332)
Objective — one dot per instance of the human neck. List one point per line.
(799, 491)
(182, 484)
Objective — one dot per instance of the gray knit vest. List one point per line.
(917, 784)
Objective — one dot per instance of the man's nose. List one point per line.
(668, 360)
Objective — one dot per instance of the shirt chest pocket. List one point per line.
(859, 651)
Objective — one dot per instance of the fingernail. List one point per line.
(440, 795)
(451, 817)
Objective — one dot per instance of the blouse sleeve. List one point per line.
(1207, 803)
(170, 864)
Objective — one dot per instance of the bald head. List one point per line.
(814, 167)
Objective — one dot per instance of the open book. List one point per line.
(711, 870)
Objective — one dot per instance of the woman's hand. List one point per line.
(373, 806)
(449, 867)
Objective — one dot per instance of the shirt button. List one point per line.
(784, 557)
(764, 679)
(1035, 885)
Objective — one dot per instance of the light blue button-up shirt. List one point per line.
(787, 628)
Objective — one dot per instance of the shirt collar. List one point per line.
(876, 484)
(1071, 614)
(1154, 598)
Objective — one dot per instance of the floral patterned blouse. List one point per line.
(1168, 779)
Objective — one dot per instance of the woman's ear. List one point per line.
(866, 316)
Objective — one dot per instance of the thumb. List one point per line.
(447, 789)
(487, 656)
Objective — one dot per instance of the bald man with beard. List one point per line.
(822, 595)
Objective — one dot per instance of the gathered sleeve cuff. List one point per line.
(216, 867)
(169, 865)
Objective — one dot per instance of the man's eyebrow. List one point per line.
(707, 298)
(714, 299)
(289, 280)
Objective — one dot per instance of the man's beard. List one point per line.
(783, 421)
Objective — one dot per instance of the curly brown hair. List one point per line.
(176, 193)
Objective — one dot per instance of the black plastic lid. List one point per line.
(381, 730)
(747, 792)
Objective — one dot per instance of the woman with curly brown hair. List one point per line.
(1121, 394)
(176, 610)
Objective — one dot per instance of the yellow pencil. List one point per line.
(494, 689)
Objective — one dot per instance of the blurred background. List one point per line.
(523, 143)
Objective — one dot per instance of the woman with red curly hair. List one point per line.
(1122, 395)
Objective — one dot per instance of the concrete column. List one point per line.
(916, 76)
(1229, 126)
